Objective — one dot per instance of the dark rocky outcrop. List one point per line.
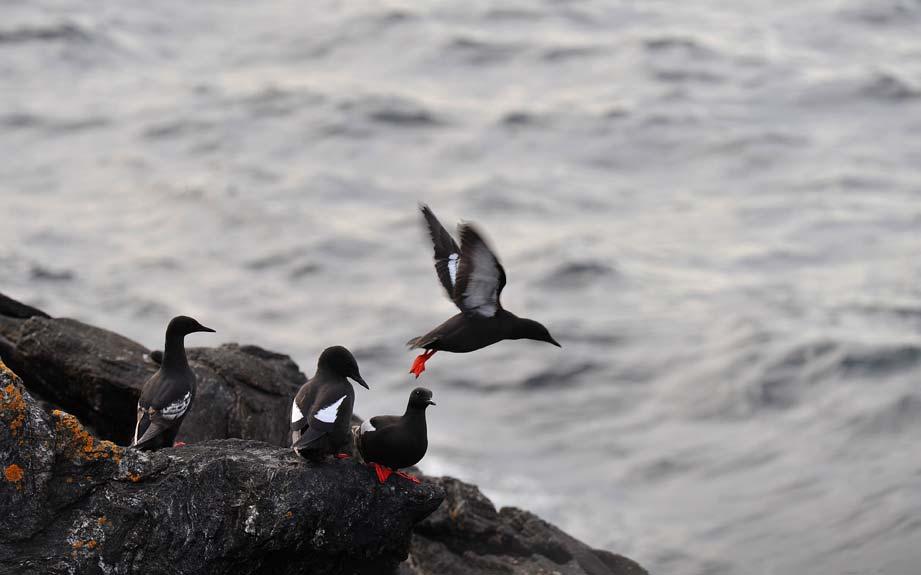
(243, 391)
(467, 535)
(77, 504)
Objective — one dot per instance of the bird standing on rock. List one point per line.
(473, 278)
(391, 442)
(322, 409)
(167, 395)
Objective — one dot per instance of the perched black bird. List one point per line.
(391, 442)
(322, 409)
(167, 395)
(473, 278)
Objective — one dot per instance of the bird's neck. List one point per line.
(174, 352)
(414, 414)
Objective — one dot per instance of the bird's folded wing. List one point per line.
(150, 424)
(319, 423)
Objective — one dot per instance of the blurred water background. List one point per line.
(715, 207)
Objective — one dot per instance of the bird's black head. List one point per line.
(420, 398)
(530, 329)
(184, 325)
(341, 362)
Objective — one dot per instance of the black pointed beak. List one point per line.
(554, 342)
(360, 381)
(430, 402)
(203, 328)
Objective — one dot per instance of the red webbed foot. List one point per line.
(383, 473)
(342, 456)
(412, 478)
(180, 444)
(419, 363)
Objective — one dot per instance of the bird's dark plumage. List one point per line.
(474, 278)
(322, 408)
(397, 441)
(168, 394)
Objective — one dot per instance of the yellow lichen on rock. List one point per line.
(80, 443)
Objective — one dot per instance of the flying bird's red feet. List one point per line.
(412, 478)
(343, 456)
(419, 363)
(179, 444)
(383, 473)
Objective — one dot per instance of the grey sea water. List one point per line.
(715, 207)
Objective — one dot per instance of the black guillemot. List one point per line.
(473, 278)
(168, 394)
(322, 409)
(391, 442)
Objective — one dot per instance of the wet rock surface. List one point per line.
(79, 504)
(468, 535)
(76, 504)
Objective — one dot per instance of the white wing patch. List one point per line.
(296, 414)
(452, 267)
(328, 413)
(138, 424)
(177, 408)
(366, 426)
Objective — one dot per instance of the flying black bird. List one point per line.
(167, 395)
(322, 409)
(473, 278)
(391, 442)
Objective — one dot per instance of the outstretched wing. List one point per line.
(447, 254)
(480, 276)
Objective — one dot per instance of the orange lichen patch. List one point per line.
(79, 443)
(13, 473)
(13, 407)
(77, 544)
(91, 544)
(8, 371)
(289, 515)
(102, 521)
(134, 477)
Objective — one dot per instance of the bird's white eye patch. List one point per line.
(296, 414)
(328, 413)
(177, 408)
(452, 267)
(366, 426)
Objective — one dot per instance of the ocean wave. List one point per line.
(676, 43)
(43, 273)
(784, 378)
(880, 360)
(176, 128)
(481, 52)
(558, 376)
(63, 32)
(522, 119)
(896, 416)
(24, 121)
(394, 111)
(575, 274)
(566, 53)
(889, 86)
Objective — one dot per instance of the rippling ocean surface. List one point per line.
(715, 207)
